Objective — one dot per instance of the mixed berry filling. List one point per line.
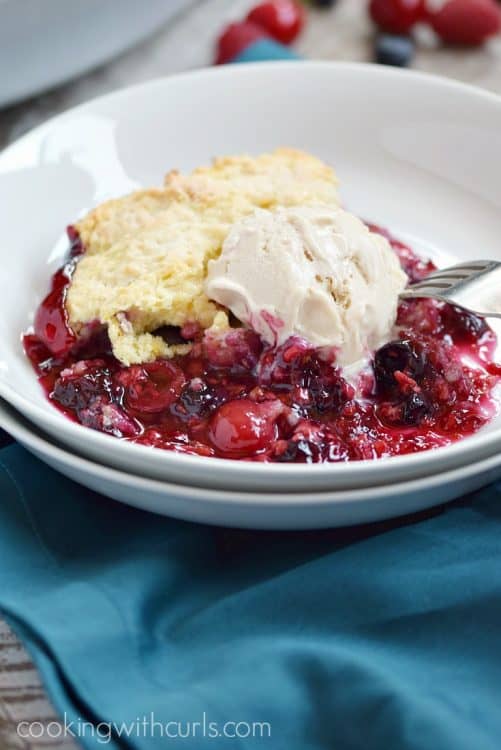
(233, 397)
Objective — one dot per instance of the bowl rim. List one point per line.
(46, 444)
(479, 442)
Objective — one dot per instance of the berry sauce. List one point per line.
(233, 397)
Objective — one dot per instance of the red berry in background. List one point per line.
(235, 38)
(396, 16)
(468, 22)
(282, 19)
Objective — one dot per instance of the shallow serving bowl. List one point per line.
(285, 510)
(415, 153)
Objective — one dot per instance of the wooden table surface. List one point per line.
(342, 33)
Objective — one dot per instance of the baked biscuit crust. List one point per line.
(146, 254)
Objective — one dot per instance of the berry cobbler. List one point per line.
(240, 312)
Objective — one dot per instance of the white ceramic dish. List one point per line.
(250, 510)
(43, 44)
(415, 153)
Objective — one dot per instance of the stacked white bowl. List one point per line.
(416, 153)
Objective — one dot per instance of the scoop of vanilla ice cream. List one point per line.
(317, 272)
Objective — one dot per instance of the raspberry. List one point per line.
(468, 22)
(235, 39)
(396, 16)
(282, 19)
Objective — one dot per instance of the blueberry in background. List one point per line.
(393, 49)
(323, 3)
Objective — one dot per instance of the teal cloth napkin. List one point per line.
(376, 637)
(265, 49)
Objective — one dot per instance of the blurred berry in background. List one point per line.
(394, 49)
(462, 22)
(282, 19)
(271, 27)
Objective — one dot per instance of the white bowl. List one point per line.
(253, 510)
(415, 153)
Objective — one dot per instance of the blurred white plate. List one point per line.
(46, 42)
(246, 509)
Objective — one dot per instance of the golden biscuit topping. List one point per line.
(147, 253)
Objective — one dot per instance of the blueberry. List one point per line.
(324, 3)
(76, 392)
(197, 400)
(415, 408)
(409, 411)
(326, 389)
(326, 393)
(397, 355)
(392, 49)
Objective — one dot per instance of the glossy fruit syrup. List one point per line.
(233, 397)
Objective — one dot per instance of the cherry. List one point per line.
(152, 387)
(36, 351)
(466, 22)
(243, 427)
(51, 319)
(396, 16)
(282, 19)
(235, 39)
